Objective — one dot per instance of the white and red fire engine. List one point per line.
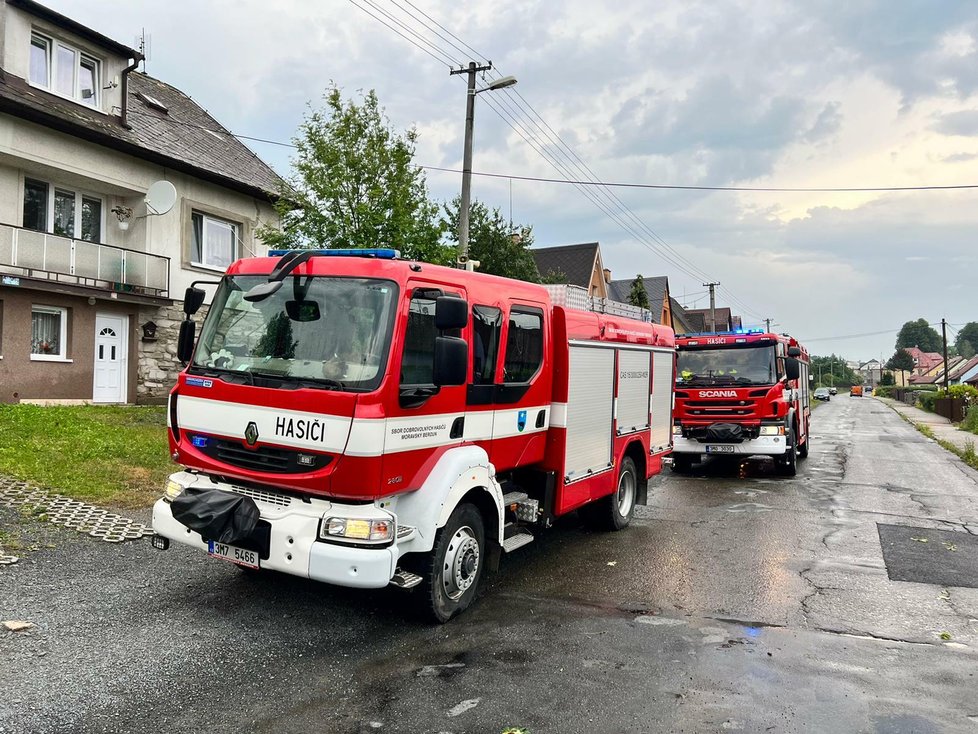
(376, 421)
(741, 394)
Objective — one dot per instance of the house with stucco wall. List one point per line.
(91, 276)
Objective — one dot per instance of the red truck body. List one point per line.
(329, 406)
(741, 394)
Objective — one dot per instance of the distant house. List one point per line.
(923, 362)
(579, 265)
(681, 321)
(657, 291)
(90, 275)
(964, 371)
(725, 320)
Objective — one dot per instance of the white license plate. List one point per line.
(719, 449)
(240, 556)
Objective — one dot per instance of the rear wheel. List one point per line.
(615, 511)
(451, 571)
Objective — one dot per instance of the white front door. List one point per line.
(111, 358)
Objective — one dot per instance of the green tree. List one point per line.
(887, 379)
(901, 360)
(832, 371)
(967, 339)
(638, 296)
(919, 334)
(354, 185)
(500, 248)
(554, 277)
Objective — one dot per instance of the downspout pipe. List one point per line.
(137, 57)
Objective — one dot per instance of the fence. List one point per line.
(951, 408)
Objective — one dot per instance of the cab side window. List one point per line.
(524, 344)
(487, 322)
(418, 360)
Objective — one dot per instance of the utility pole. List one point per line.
(944, 337)
(767, 326)
(463, 213)
(713, 305)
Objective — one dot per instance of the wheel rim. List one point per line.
(626, 493)
(461, 566)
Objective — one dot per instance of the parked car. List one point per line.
(822, 393)
(833, 391)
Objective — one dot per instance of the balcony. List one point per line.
(59, 259)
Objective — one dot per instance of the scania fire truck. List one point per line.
(358, 419)
(741, 394)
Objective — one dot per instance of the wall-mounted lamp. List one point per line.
(123, 214)
(149, 332)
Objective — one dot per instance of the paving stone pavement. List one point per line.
(57, 509)
(941, 426)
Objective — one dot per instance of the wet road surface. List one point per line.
(737, 600)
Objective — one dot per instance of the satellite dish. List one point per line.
(160, 197)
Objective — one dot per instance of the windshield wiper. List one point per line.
(289, 382)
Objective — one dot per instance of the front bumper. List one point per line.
(762, 446)
(293, 545)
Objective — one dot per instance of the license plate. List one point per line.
(241, 556)
(719, 449)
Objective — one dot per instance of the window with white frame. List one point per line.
(62, 211)
(214, 243)
(64, 70)
(49, 333)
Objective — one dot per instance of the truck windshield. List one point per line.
(314, 331)
(741, 365)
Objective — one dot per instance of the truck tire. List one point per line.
(452, 570)
(615, 511)
(788, 464)
(803, 449)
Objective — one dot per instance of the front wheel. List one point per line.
(615, 511)
(803, 449)
(451, 571)
(788, 464)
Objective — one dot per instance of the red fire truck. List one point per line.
(741, 394)
(358, 419)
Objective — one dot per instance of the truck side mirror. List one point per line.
(451, 312)
(794, 351)
(185, 340)
(792, 368)
(193, 299)
(451, 360)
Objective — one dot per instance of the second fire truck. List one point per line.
(741, 394)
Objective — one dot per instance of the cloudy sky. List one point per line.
(839, 93)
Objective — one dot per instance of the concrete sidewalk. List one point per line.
(941, 426)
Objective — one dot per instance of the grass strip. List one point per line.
(107, 455)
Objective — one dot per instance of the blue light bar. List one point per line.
(381, 253)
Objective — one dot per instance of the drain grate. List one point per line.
(926, 556)
(66, 512)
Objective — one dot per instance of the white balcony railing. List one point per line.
(63, 259)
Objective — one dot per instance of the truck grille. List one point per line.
(266, 459)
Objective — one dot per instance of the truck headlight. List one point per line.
(777, 430)
(374, 531)
(677, 430)
(173, 490)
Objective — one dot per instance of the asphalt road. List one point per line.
(737, 600)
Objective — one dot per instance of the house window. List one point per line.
(70, 213)
(215, 241)
(49, 331)
(64, 70)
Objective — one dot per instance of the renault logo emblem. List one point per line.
(251, 434)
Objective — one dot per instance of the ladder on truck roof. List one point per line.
(574, 296)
